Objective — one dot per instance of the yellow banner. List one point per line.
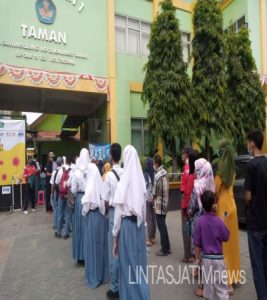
(12, 150)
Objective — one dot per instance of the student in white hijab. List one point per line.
(78, 182)
(95, 230)
(129, 229)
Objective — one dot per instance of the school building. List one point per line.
(84, 59)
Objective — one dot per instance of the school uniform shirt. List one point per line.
(209, 234)
(110, 184)
(52, 179)
(121, 212)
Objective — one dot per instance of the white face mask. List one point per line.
(250, 151)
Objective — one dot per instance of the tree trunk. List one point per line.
(207, 147)
(174, 161)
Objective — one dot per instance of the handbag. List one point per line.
(70, 200)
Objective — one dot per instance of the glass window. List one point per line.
(145, 27)
(133, 41)
(139, 135)
(186, 44)
(132, 35)
(121, 21)
(121, 39)
(134, 24)
(236, 26)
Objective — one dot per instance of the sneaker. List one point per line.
(33, 210)
(112, 296)
(25, 212)
(65, 237)
(57, 235)
(161, 253)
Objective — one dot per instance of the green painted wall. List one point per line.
(140, 9)
(251, 10)
(86, 33)
(138, 109)
(185, 19)
(51, 123)
(255, 30)
(129, 68)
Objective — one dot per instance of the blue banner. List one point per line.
(100, 151)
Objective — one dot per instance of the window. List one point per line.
(186, 44)
(132, 35)
(236, 26)
(139, 135)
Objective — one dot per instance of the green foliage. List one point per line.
(209, 77)
(245, 92)
(167, 86)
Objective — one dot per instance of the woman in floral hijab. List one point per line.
(204, 181)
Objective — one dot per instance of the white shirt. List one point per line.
(121, 211)
(110, 184)
(52, 179)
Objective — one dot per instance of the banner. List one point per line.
(12, 149)
(100, 151)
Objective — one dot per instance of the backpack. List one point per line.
(63, 187)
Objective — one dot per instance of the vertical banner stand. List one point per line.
(15, 181)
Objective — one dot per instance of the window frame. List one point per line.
(140, 21)
(143, 128)
(188, 43)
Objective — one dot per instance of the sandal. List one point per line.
(199, 292)
(187, 260)
(149, 243)
(230, 290)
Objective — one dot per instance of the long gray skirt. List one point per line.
(96, 249)
(78, 229)
(132, 262)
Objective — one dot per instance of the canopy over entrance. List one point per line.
(26, 89)
(19, 98)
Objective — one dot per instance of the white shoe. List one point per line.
(25, 212)
(33, 210)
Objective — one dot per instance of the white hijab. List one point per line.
(131, 190)
(94, 189)
(80, 170)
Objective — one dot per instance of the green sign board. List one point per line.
(55, 35)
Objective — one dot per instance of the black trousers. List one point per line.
(30, 196)
(164, 236)
(48, 196)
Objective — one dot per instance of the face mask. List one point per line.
(250, 151)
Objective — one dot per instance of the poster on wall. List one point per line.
(12, 150)
(100, 151)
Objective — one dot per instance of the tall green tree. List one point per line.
(209, 77)
(245, 92)
(167, 88)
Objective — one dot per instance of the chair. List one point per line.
(41, 198)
